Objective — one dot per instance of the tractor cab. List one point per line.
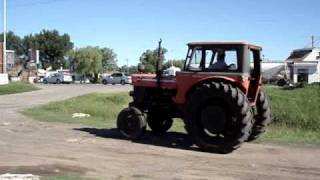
(217, 57)
(227, 61)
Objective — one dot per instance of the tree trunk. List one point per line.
(96, 78)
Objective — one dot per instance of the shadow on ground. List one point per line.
(171, 139)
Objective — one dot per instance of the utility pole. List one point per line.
(127, 65)
(4, 36)
(312, 41)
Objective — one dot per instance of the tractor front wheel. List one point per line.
(159, 123)
(218, 117)
(131, 123)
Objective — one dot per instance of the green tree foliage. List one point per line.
(149, 59)
(88, 61)
(133, 69)
(176, 63)
(14, 42)
(130, 69)
(53, 47)
(29, 42)
(109, 59)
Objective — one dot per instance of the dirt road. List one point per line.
(28, 146)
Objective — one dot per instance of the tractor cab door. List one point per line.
(255, 74)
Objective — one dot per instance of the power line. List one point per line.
(314, 42)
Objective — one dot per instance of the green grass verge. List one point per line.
(16, 87)
(103, 109)
(288, 135)
(298, 108)
(296, 113)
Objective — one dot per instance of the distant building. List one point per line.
(3, 77)
(303, 65)
(271, 70)
(11, 59)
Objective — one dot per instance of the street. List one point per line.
(28, 146)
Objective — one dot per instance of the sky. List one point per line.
(130, 27)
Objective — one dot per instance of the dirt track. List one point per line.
(28, 146)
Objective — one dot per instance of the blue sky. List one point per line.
(132, 26)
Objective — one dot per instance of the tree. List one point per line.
(29, 42)
(52, 46)
(130, 69)
(88, 61)
(176, 63)
(109, 59)
(133, 69)
(149, 59)
(14, 42)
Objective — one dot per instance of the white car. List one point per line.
(57, 78)
(117, 78)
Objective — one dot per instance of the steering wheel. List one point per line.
(232, 67)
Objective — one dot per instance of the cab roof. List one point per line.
(213, 43)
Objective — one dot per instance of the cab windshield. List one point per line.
(212, 59)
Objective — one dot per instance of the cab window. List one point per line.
(213, 59)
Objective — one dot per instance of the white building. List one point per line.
(303, 65)
(3, 76)
(11, 59)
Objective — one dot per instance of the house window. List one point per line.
(318, 57)
(303, 75)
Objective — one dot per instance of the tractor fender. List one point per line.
(181, 98)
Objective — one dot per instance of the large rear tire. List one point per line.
(159, 123)
(262, 116)
(131, 123)
(218, 117)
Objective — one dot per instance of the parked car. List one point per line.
(117, 78)
(58, 78)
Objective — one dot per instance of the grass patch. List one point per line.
(296, 113)
(16, 87)
(285, 135)
(103, 109)
(298, 108)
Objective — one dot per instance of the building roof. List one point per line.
(298, 55)
(212, 43)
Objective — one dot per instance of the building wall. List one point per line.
(10, 58)
(313, 71)
(314, 55)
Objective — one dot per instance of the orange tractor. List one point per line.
(218, 95)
